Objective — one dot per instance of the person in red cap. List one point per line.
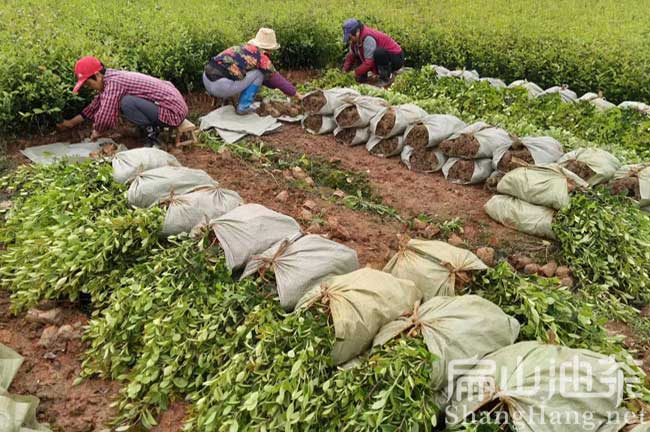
(148, 102)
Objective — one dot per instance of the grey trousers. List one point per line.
(140, 111)
(225, 88)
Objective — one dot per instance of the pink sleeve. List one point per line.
(277, 81)
(109, 109)
(91, 109)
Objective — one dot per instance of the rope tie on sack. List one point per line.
(417, 324)
(269, 262)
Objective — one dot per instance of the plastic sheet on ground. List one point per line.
(149, 187)
(641, 172)
(334, 98)
(482, 170)
(601, 162)
(17, 413)
(129, 163)
(455, 329)
(198, 206)
(521, 216)
(52, 153)
(249, 230)
(437, 268)
(439, 127)
(533, 89)
(405, 115)
(548, 186)
(529, 379)
(543, 149)
(361, 303)
(566, 94)
(232, 127)
(367, 107)
(299, 263)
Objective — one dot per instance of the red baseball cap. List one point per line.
(84, 69)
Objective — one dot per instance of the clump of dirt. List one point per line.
(423, 159)
(348, 117)
(512, 159)
(462, 170)
(386, 124)
(314, 102)
(313, 122)
(386, 147)
(492, 181)
(465, 146)
(346, 136)
(417, 137)
(278, 109)
(580, 169)
(105, 151)
(628, 186)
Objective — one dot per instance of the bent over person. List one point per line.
(370, 50)
(242, 69)
(150, 103)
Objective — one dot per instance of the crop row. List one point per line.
(41, 40)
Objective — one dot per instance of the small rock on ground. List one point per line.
(455, 240)
(487, 255)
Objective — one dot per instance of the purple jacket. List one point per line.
(277, 81)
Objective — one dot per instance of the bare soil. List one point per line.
(580, 169)
(386, 147)
(418, 136)
(462, 170)
(465, 146)
(628, 186)
(386, 124)
(314, 102)
(348, 117)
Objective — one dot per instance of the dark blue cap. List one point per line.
(349, 26)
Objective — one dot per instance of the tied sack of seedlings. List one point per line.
(198, 206)
(441, 71)
(128, 164)
(493, 181)
(636, 106)
(352, 137)
(469, 76)
(284, 375)
(521, 216)
(533, 89)
(325, 102)
(317, 124)
(467, 171)
(494, 82)
(437, 268)
(593, 165)
(423, 159)
(461, 328)
(359, 111)
(527, 151)
(299, 263)
(149, 187)
(543, 388)
(565, 94)
(478, 140)
(549, 186)
(250, 229)
(385, 147)
(432, 130)
(633, 181)
(392, 121)
(597, 100)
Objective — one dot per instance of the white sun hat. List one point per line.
(265, 39)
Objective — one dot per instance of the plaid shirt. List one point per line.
(105, 108)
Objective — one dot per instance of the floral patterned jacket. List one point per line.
(238, 60)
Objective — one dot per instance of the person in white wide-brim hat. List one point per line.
(242, 69)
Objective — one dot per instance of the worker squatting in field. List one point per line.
(151, 103)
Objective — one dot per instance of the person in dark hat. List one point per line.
(370, 50)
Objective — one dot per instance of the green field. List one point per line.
(590, 45)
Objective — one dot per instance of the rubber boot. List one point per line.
(246, 99)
